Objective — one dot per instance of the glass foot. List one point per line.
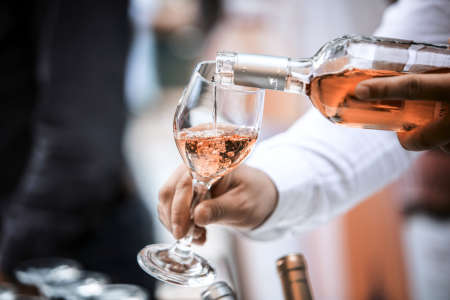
(157, 261)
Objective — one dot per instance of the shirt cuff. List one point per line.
(269, 230)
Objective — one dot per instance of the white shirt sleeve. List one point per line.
(321, 169)
(419, 20)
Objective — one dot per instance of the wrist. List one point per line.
(272, 201)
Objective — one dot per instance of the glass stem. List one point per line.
(181, 251)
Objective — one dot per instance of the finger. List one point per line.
(180, 213)
(207, 212)
(168, 189)
(414, 87)
(199, 236)
(225, 209)
(435, 134)
(167, 192)
(163, 218)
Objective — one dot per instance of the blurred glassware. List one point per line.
(7, 291)
(27, 297)
(121, 292)
(86, 286)
(88, 289)
(48, 270)
(218, 291)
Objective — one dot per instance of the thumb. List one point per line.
(210, 211)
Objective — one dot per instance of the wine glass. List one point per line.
(122, 292)
(215, 128)
(88, 283)
(54, 270)
(28, 297)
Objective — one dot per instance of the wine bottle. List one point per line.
(294, 277)
(329, 78)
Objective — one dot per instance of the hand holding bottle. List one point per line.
(417, 87)
(245, 199)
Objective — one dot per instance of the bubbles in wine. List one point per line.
(212, 152)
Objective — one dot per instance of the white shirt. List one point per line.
(321, 169)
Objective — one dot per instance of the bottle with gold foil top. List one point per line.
(294, 278)
(329, 78)
(218, 291)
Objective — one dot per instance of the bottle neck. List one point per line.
(218, 291)
(301, 71)
(295, 285)
(293, 276)
(263, 71)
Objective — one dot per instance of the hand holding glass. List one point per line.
(215, 128)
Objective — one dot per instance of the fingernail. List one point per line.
(362, 92)
(176, 230)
